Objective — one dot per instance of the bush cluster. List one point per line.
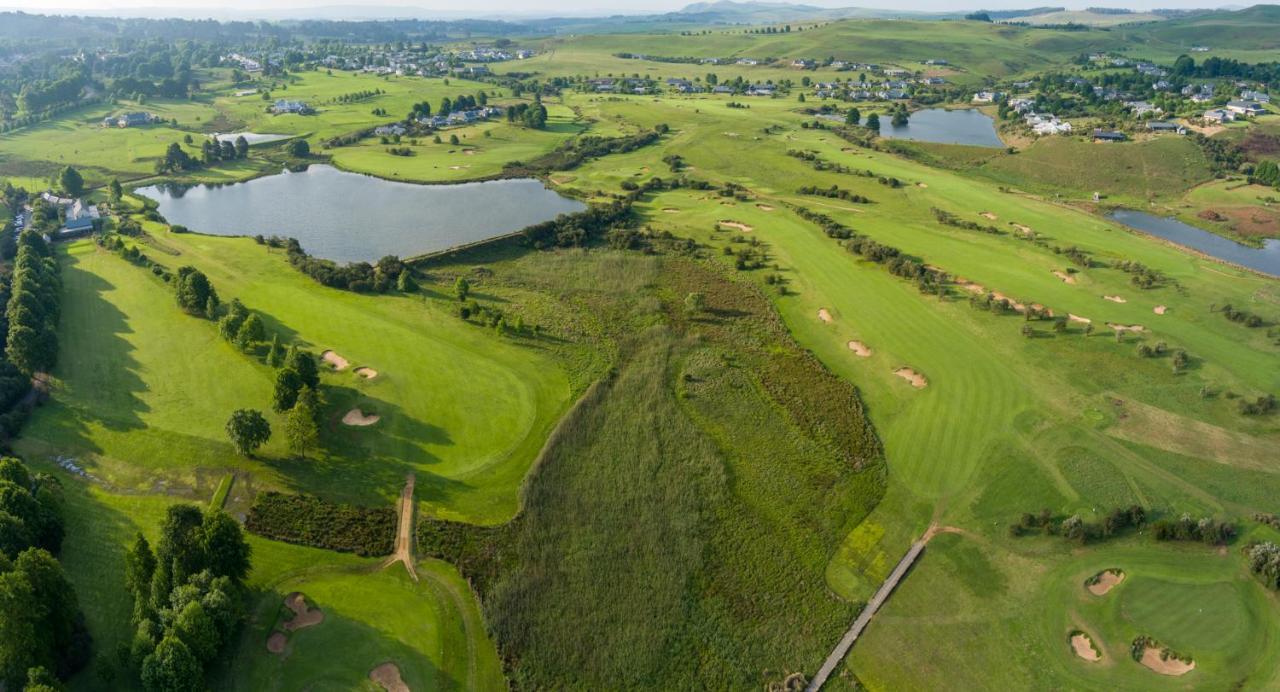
(1185, 528)
(1076, 529)
(31, 342)
(309, 520)
(360, 277)
(833, 192)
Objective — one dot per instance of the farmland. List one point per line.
(684, 449)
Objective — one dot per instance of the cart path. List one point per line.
(404, 531)
(864, 618)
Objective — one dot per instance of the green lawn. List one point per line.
(464, 410)
(430, 629)
(483, 150)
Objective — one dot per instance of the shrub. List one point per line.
(309, 520)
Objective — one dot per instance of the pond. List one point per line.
(961, 126)
(251, 137)
(348, 217)
(1265, 259)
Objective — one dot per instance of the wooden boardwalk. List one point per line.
(864, 618)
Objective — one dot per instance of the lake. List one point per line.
(960, 126)
(1265, 259)
(251, 137)
(349, 217)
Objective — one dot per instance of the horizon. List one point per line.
(529, 9)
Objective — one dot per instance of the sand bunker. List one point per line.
(387, 676)
(922, 184)
(1159, 309)
(670, 210)
(825, 316)
(1127, 327)
(334, 360)
(1106, 581)
(1066, 278)
(987, 215)
(276, 642)
(916, 379)
(1152, 658)
(764, 207)
(357, 417)
(302, 615)
(860, 349)
(1115, 299)
(367, 373)
(1022, 228)
(1077, 318)
(971, 286)
(1084, 647)
(738, 225)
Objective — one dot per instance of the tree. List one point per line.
(242, 147)
(251, 332)
(116, 192)
(288, 385)
(852, 117)
(20, 640)
(462, 288)
(298, 148)
(900, 117)
(303, 363)
(139, 570)
(275, 354)
(405, 283)
(873, 122)
(300, 427)
(71, 182)
(196, 629)
(226, 553)
(248, 430)
(172, 668)
(193, 290)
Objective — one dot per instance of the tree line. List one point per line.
(43, 636)
(188, 598)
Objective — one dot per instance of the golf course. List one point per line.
(681, 437)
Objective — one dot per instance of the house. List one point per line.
(803, 64)
(1219, 115)
(1141, 108)
(895, 72)
(81, 218)
(722, 89)
(246, 92)
(748, 61)
(393, 130)
(1246, 107)
(1022, 105)
(1046, 124)
(986, 96)
(1259, 96)
(1108, 136)
(1162, 85)
(129, 120)
(760, 90)
(1164, 126)
(1199, 49)
(936, 61)
(283, 106)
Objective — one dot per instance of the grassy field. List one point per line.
(1021, 423)
(467, 412)
(483, 150)
(430, 629)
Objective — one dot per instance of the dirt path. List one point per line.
(404, 532)
(864, 618)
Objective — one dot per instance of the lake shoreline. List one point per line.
(1189, 249)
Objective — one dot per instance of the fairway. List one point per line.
(158, 422)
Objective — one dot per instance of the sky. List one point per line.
(375, 9)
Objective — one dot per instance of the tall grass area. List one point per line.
(676, 531)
